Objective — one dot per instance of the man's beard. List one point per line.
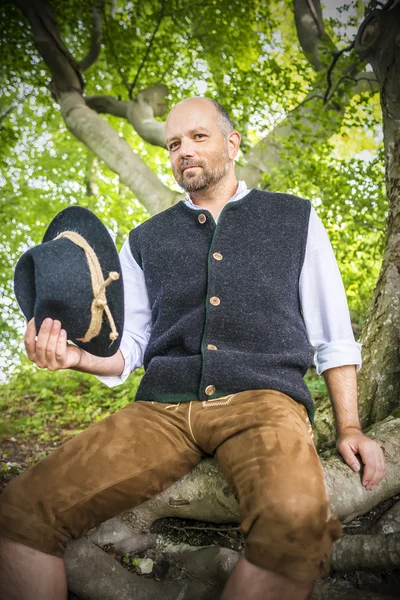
(203, 180)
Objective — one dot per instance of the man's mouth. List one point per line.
(190, 167)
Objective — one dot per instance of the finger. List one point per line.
(51, 360)
(380, 467)
(61, 348)
(349, 456)
(42, 341)
(29, 339)
(370, 460)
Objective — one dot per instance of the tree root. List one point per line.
(324, 590)
(194, 574)
(389, 522)
(363, 552)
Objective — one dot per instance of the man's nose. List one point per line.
(186, 149)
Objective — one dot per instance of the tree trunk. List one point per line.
(378, 41)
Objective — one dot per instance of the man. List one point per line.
(224, 293)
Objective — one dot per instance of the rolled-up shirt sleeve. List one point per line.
(324, 304)
(137, 325)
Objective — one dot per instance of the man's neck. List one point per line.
(214, 199)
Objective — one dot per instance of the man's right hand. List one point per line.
(50, 350)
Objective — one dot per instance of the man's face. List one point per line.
(197, 147)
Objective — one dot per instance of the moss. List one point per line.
(395, 413)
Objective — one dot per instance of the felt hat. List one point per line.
(75, 276)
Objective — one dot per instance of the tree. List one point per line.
(314, 91)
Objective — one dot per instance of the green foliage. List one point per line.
(52, 406)
(316, 385)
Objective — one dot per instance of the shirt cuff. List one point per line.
(337, 354)
(129, 355)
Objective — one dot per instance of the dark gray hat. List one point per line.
(75, 276)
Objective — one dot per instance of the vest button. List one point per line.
(215, 301)
(211, 347)
(217, 256)
(202, 219)
(210, 390)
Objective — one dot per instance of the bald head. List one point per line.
(210, 107)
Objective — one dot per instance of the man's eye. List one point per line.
(173, 145)
(200, 135)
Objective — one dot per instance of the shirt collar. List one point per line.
(241, 191)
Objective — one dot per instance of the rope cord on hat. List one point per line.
(99, 304)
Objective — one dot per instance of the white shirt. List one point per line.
(322, 298)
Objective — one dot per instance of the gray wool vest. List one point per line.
(225, 301)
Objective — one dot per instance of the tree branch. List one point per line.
(160, 18)
(113, 8)
(6, 112)
(317, 16)
(266, 156)
(108, 105)
(311, 33)
(90, 188)
(62, 65)
(389, 4)
(336, 57)
(95, 42)
(140, 113)
(389, 521)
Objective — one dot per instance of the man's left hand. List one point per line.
(351, 442)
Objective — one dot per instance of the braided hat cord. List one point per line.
(99, 304)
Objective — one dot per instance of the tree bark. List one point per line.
(349, 498)
(378, 42)
(195, 574)
(365, 552)
(325, 590)
(389, 521)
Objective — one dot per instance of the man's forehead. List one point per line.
(190, 114)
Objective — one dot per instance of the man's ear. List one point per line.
(233, 144)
